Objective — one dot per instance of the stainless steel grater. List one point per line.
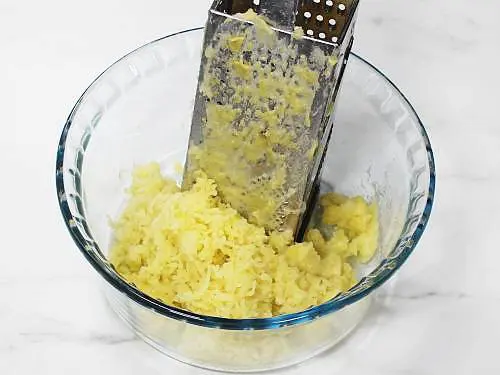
(264, 106)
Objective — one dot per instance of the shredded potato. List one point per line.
(191, 250)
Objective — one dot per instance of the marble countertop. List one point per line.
(442, 317)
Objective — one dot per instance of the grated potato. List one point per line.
(191, 250)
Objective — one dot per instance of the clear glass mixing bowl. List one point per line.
(139, 111)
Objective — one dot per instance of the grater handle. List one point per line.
(281, 13)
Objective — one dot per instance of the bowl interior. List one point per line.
(139, 111)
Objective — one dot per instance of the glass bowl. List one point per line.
(139, 110)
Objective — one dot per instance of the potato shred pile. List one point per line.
(191, 250)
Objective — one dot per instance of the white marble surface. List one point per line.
(444, 315)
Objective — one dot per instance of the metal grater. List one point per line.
(234, 113)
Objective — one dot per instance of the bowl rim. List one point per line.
(365, 286)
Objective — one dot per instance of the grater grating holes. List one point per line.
(321, 16)
(332, 24)
(328, 17)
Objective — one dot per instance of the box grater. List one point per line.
(264, 107)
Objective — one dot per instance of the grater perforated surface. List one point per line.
(271, 189)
